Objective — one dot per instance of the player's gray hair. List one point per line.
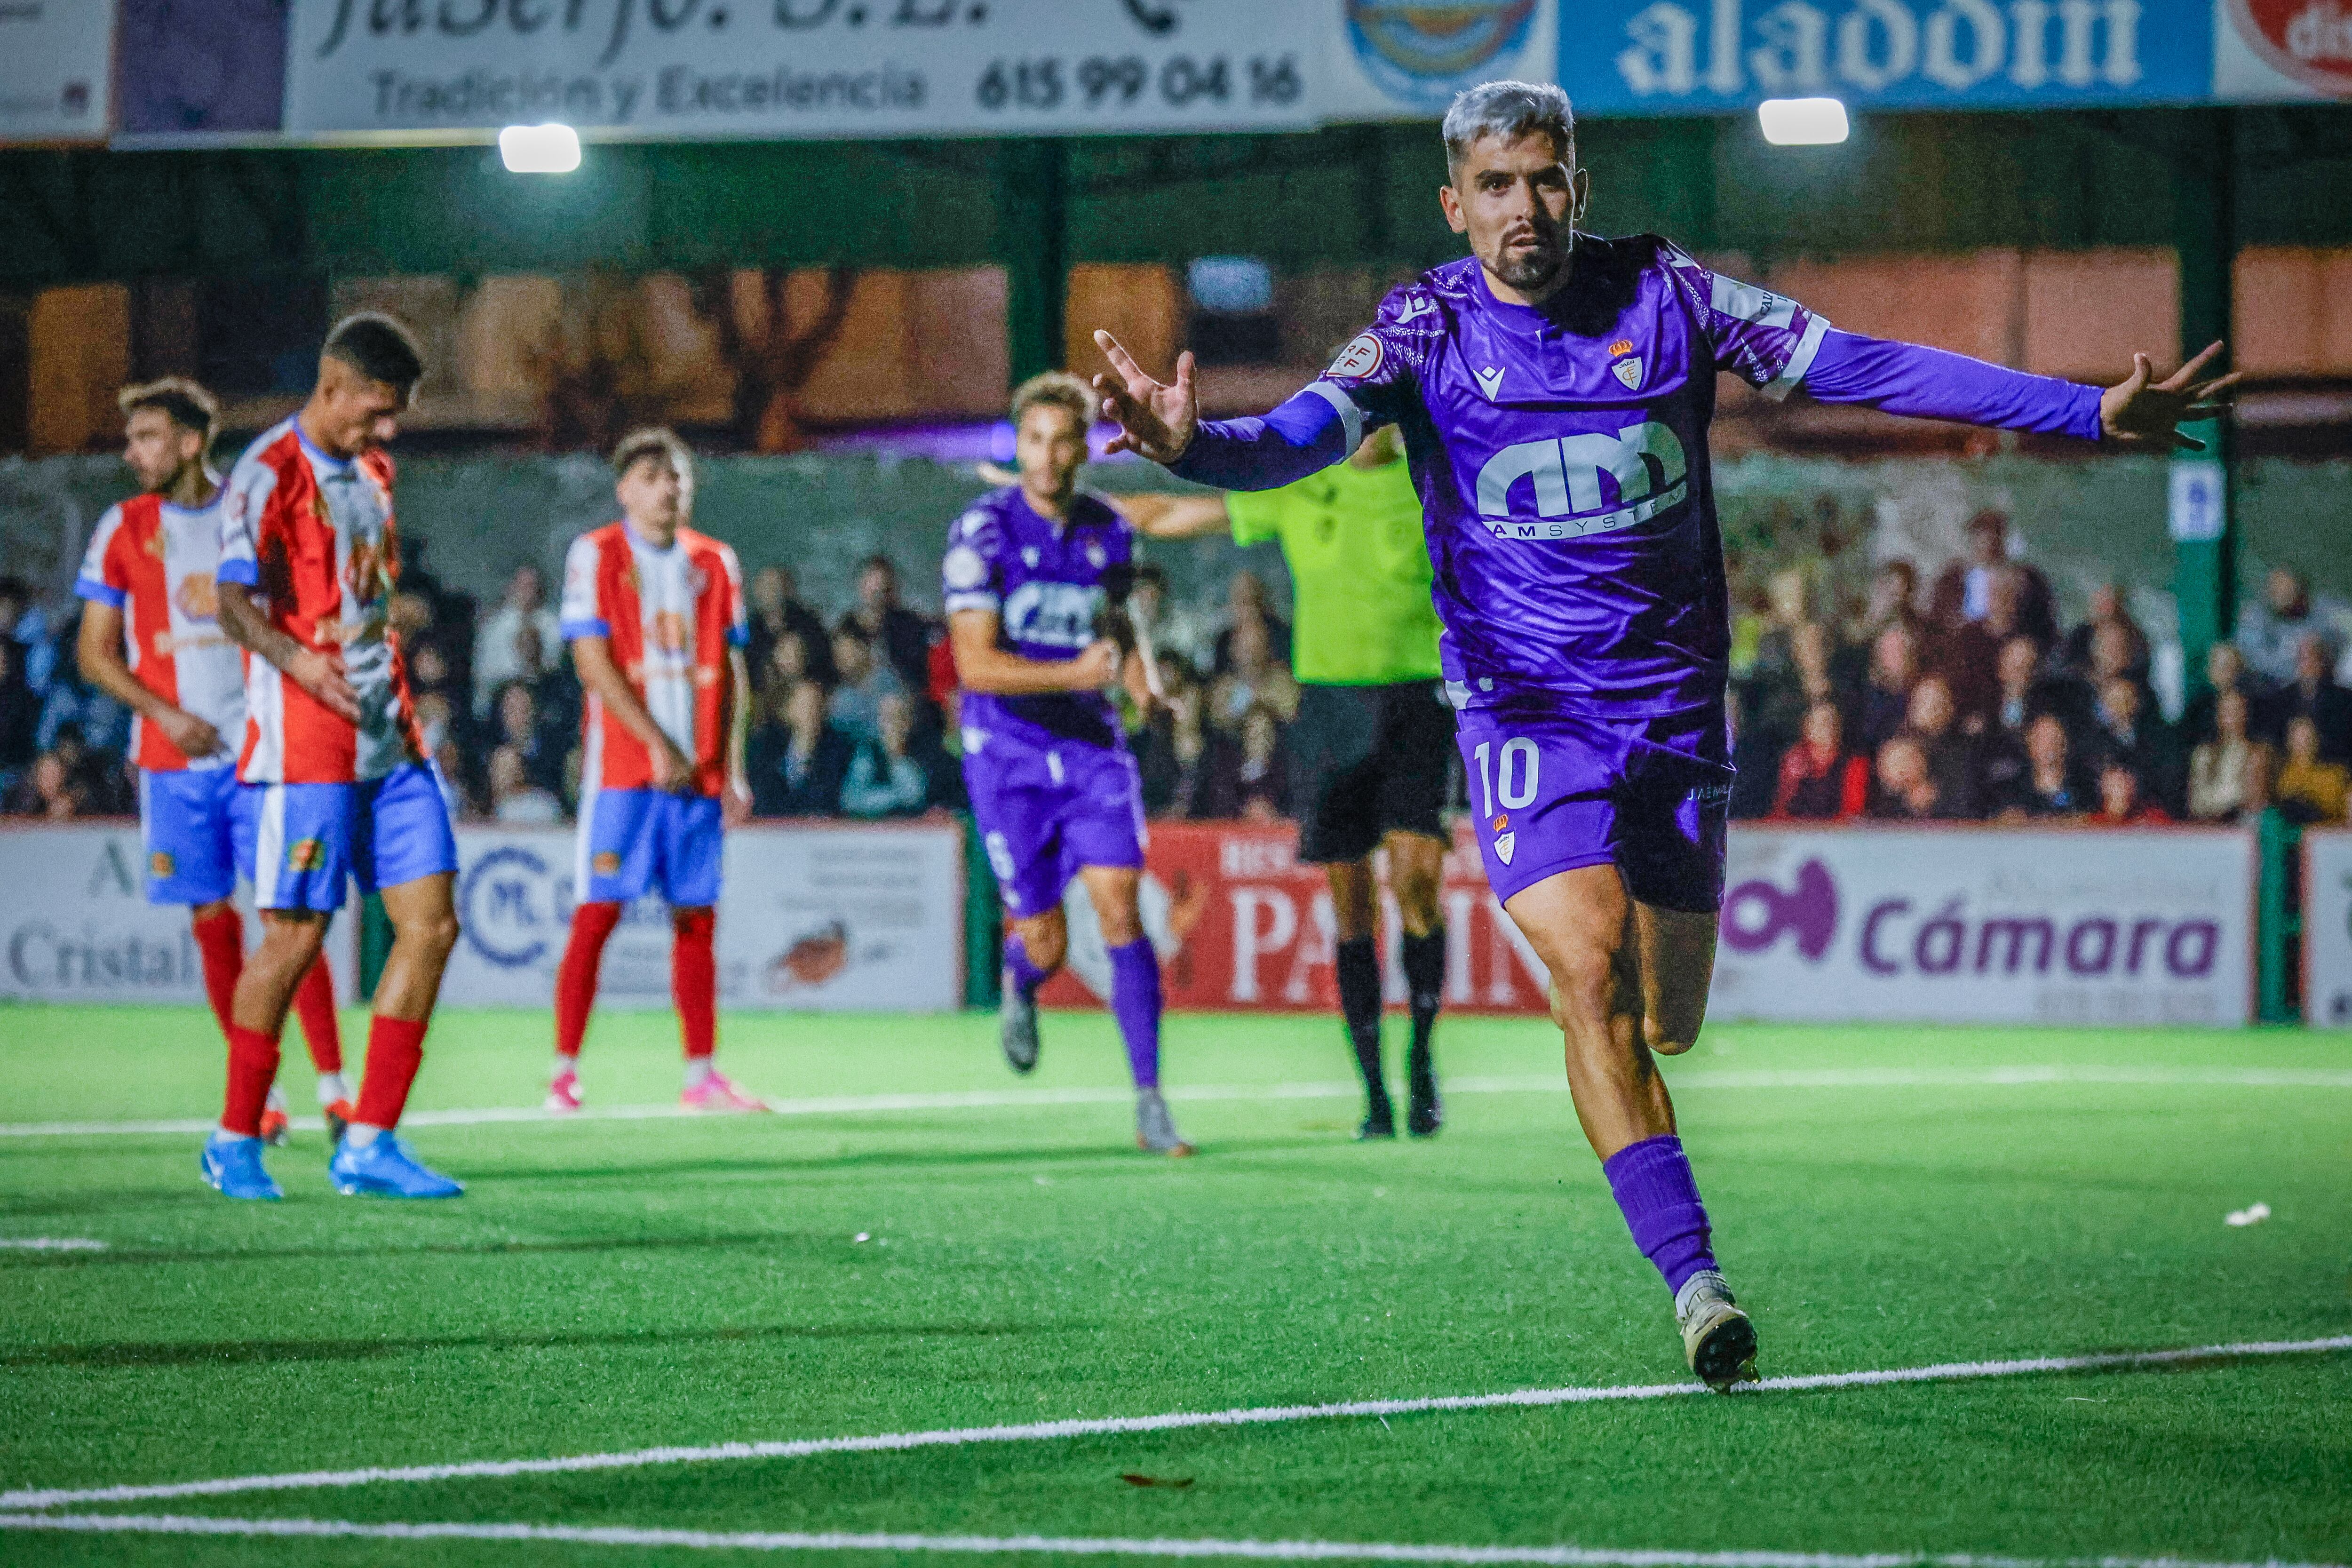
(655, 441)
(1508, 110)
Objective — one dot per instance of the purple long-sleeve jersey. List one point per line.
(1560, 452)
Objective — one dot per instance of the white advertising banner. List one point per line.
(56, 61)
(2085, 926)
(79, 927)
(711, 69)
(2328, 929)
(835, 918)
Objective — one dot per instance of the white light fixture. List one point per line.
(540, 148)
(1803, 121)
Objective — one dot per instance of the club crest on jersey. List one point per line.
(1029, 555)
(1096, 556)
(1360, 359)
(606, 863)
(306, 855)
(1628, 371)
(1506, 837)
(160, 865)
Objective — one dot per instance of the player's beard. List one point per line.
(1538, 267)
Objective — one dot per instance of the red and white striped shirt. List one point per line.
(671, 616)
(313, 537)
(154, 562)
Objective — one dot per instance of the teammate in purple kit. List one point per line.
(1554, 389)
(1052, 787)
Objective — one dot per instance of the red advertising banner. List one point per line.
(1240, 923)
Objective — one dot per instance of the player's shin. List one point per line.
(1358, 966)
(694, 987)
(1135, 1001)
(252, 1067)
(314, 1004)
(395, 1049)
(575, 977)
(219, 933)
(1659, 1195)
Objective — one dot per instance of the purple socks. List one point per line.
(1026, 975)
(1654, 1187)
(1135, 1001)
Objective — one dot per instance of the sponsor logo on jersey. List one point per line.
(1646, 462)
(1423, 54)
(197, 596)
(1360, 359)
(306, 855)
(671, 633)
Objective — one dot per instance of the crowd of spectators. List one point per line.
(1963, 701)
(1959, 698)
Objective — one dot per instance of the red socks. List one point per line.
(252, 1067)
(396, 1048)
(220, 942)
(314, 1003)
(694, 979)
(575, 977)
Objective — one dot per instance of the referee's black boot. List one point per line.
(1379, 1122)
(1425, 1112)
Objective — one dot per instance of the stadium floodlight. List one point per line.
(1803, 121)
(548, 148)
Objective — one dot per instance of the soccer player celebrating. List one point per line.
(655, 614)
(1053, 789)
(1372, 743)
(1555, 389)
(334, 783)
(149, 640)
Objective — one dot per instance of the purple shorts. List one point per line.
(1046, 807)
(1552, 792)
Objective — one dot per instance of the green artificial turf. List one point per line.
(621, 1284)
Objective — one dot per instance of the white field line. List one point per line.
(1043, 1431)
(1068, 1546)
(1017, 1099)
(50, 1244)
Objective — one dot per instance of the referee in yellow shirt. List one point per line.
(1373, 743)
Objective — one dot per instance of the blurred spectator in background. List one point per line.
(438, 725)
(1893, 601)
(1247, 604)
(1967, 655)
(1256, 675)
(515, 800)
(1887, 694)
(522, 728)
(99, 724)
(797, 758)
(1755, 757)
(2121, 802)
(2225, 671)
(1821, 780)
(49, 790)
(777, 613)
(1176, 749)
(2229, 776)
(2106, 610)
(2313, 694)
(26, 624)
(1251, 779)
(1902, 789)
(2125, 727)
(2310, 788)
(1933, 722)
(900, 638)
(1174, 628)
(2269, 627)
(865, 680)
(790, 658)
(518, 639)
(2051, 784)
(1964, 590)
(20, 716)
(888, 776)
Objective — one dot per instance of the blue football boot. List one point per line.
(232, 1167)
(385, 1169)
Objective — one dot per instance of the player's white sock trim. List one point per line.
(698, 1070)
(227, 1135)
(331, 1087)
(361, 1134)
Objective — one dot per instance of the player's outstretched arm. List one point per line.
(983, 666)
(318, 671)
(592, 657)
(99, 654)
(1931, 384)
(1312, 431)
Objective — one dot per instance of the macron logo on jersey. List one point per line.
(1646, 462)
(1490, 380)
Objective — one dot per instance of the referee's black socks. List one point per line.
(1358, 964)
(1425, 976)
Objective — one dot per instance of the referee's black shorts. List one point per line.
(1368, 760)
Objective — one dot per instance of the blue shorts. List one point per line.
(183, 820)
(1044, 810)
(1550, 793)
(635, 841)
(301, 844)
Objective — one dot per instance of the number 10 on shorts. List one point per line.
(1508, 780)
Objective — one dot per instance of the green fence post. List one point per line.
(2280, 921)
(984, 923)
